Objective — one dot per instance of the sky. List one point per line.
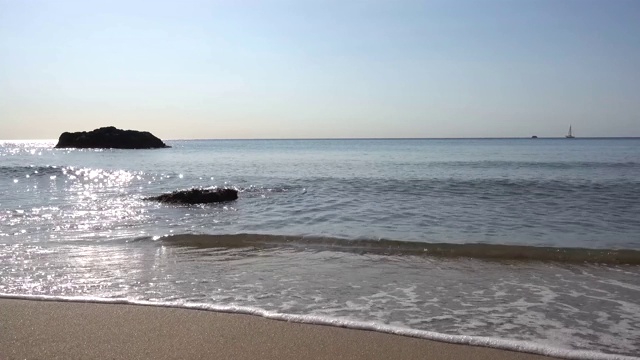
(320, 69)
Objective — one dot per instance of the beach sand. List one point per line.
(71, 330)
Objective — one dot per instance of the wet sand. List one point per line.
(66, 330)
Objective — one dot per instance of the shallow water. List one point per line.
(383, 232)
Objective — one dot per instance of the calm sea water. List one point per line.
(524, 244)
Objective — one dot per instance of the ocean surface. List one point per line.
(532, 245)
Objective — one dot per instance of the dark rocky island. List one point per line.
(197, 196)
(110, 138)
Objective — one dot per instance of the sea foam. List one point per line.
(498, 343)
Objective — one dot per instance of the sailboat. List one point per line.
(570, 135)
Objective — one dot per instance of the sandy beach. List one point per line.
(64, 330)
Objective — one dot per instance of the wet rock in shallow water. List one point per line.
(110, 138)
(197, 196)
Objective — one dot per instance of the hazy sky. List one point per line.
(307, 69)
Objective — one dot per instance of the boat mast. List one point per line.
(570, 134)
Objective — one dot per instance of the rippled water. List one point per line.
(74, 223)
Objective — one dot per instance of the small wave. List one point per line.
(539, 164)
(391, 247)
(491, 342)
(12, 171)
(263, 189)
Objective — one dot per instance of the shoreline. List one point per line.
(36, 329)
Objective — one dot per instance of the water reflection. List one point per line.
(82, 203)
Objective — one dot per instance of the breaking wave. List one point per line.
(496, 252)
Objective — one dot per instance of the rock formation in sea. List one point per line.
(110, 138)
(197, 196)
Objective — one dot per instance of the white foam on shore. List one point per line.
(498, 343)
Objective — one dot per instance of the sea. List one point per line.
(530, 245)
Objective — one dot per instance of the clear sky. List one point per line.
(309, 69)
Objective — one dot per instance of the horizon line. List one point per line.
(372, 138)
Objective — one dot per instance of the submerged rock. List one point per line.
(197, 196)
(110, 138)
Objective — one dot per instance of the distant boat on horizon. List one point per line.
(570, 134)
